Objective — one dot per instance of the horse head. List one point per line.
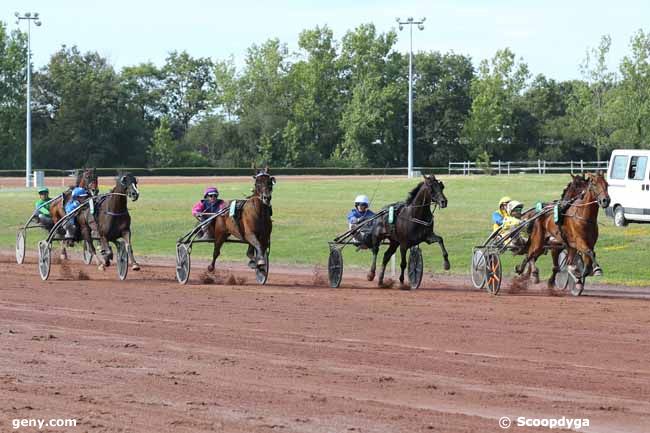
(264, 185)
(598, 189)
(88, 179)
(575, 189)
(130, 184)
(436, 188)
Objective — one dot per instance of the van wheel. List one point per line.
(619, 217)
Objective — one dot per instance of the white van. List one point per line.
(629, 186)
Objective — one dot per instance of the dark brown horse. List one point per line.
(251, 223)
(113, 219)
(577, 228)
(412, 225)
(86, 178)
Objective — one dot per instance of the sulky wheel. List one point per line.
(122, 259)
(562, 277)
(415, 267)
(335, 267)
(20, 246)
(182, 263)
(479, 269)
(44, 250)
(262, 272)
(493, 273)
(88, 257)
(575, 288)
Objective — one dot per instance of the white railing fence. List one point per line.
(539, 166)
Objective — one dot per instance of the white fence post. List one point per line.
(499, 167)
(582, 166)
(539, 166)
(508, 168)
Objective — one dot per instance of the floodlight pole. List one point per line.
(410, 22)
(28, 145)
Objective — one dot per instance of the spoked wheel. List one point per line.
(493, 273)
(182, 263)
(122, 259)
(262, 272)
(562, 278)
(335, 267)
(44, 256)
(415, 267)
(566, 280)
(88, 256)
(479, 269)
(20, 246)
(576, 289)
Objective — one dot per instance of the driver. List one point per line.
(42, 208)
(79, 196)
(358, 215)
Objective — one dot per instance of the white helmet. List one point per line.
(361, 199)
(514, 204)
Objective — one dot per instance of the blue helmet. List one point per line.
(79, 192)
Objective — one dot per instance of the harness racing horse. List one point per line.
(577, 228)
(86, 178)
(252, 223)
(413, 225)
(113, 219)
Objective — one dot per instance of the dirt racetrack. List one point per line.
(149, 355)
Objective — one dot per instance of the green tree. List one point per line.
(265, 101)
(83, 116)
(13, 59)
(632, 96)
(441, 105)
(490, 128)
(163, 148)
(188, 86)
(312, 131)
(375, 89)
(590, 108)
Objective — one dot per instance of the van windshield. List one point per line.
(618, 167)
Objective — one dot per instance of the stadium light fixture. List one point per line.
(410, 22)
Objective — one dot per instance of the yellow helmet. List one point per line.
(504, 199)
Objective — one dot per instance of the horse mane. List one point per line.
(571, 184)
(414, 192)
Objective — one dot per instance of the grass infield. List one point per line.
(308, 213)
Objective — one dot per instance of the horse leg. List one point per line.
(402, 263)
(105, 252)
(252, 240)
(445, 256)
(88, 240)
(250, 253)
(373, 266)
(126, 235)
(218, 243)
(387, 255)
(555, 254)
(597, 271)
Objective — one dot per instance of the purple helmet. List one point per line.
(211, 190)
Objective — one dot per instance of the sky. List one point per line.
(551, 36)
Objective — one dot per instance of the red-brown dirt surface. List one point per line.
(150, 355)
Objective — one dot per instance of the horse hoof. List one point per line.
(63, 257)
(597, 272)
(101, 267)
(261, 263)
(535, 278)
(447, 266)
(210, 268)
(370, 276)
(251, 264)
(136, 267)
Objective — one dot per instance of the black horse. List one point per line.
(113, 219)
(412, 224)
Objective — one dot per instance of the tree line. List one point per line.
(338, 103)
